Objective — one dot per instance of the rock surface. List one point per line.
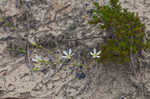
(58, 25)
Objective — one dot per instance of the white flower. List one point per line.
(36, 59)
(95, 54)
(68, 54)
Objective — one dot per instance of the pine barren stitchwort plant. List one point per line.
(95, 54)
(67, 55)
(125, 32)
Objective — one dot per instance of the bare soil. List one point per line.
(58, 25)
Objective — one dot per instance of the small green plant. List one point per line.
(125, 32)
(20, 50)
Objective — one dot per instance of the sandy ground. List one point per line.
(57, 25)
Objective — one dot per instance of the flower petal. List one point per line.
(65, 52)
(34, 60)
(64, 57)
(98, 56)
(91, 53)
(99, 52)
(94, 50)
(70, 51)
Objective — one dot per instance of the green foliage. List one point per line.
(125, 32)
(20, 50)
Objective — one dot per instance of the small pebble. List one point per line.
(148, 32)
(80, 75)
